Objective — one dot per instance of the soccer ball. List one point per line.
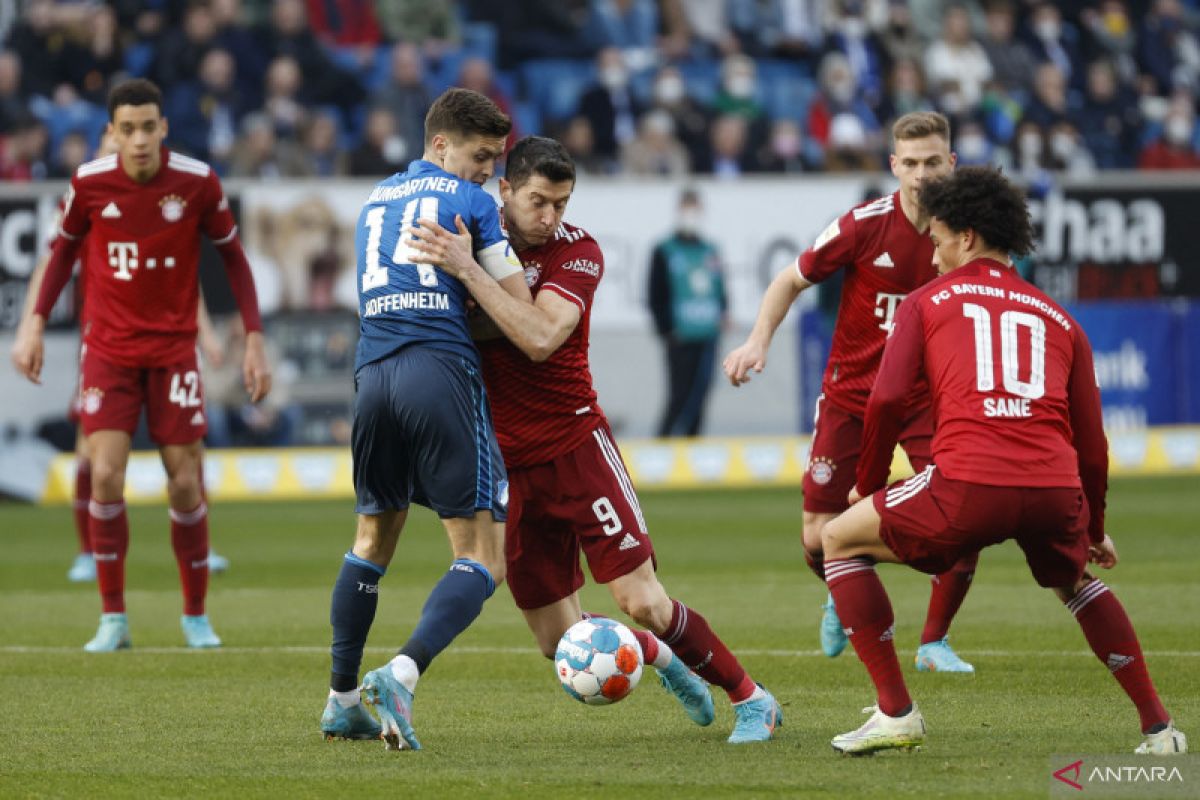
(598, 661)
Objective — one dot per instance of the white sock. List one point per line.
(759, 694)
(404, 669)
(345, 699)
(665, 654)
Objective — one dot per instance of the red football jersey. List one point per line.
(1014, 390)
(885, 258)
(141, 254)
(542, 410)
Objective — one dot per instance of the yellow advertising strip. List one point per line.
(708, 463)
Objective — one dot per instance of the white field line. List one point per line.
(16, 649)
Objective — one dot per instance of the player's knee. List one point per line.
(648, 606)
(831, 540)
(108, 480)
(811, 534)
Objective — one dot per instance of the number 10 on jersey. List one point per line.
(376, 273)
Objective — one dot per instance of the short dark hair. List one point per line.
(462, 112)
(983, 200)
(134, 92)
(539, 155)
(919, 124)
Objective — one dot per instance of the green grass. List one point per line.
(160, 721)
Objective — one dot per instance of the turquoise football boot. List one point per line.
(756, 719)
(83, 569)
(691, 692)
(939, 657)
(354, 722)
(833, 636)
(393, 703)
(217, 563)
(112, 635)
(198, 632)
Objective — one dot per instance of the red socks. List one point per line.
(189, 538)
(866, 614)
(1112, 638)
(109, 529)
(83, 495)
(690, 636)
(949, 589)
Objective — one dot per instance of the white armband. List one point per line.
(499, 260)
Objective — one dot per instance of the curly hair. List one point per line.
(983, 200)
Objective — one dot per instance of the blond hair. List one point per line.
(920, 124)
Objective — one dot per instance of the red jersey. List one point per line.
(885, 258)
(542, 410)
(141, 254)
(1015, 400)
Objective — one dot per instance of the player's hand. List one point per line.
(739, 363)
(438, 246)
(210, 347)
(29, 348)
(256, 372)
(1103, 555)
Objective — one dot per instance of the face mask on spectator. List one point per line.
(973, 147)
(1047, 30)
(951, 103)
(854, 28)
(1063, 146)
(689, 222)
(614, 78)
(842, 91)
(1030, 145)
(786, 144)
(1179, 131)
(669, 90)
(741, 86)
(394, 148)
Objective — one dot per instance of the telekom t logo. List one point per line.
(123, 256)
(885, 308)
(1073, 770)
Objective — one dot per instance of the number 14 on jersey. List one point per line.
(375, 275)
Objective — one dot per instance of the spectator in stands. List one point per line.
(785, 150)
(838, 95)
(1011, 59)
(854, 39)
(405, 96)
(1051, 39)
(580, 142)
(691, 119)
(906, 92)
(610, 106)
(383, 151)
(433, 25)
(900, 38)
(258, 154)
(23, 151)
(1028, 153)
(1050, 101)
(851, 147)
(971, 143)
(1168, 45)
(73, 150)
(322, 149)
(707, 23)
(477, 75)
(529, 29)
(205, 115)
(234, 36)
(39, 44)
(1175, 147)
(284, 105)
(13, 100)
(90, 65)
(182, 49)
(655, 150)
(676, 41)
(1110, 119)
(631, 26)
(956, 65)
(1066, 151)
(738, 95)
(730, 146)
(288, 35)
(1112, 35)
(345, 23)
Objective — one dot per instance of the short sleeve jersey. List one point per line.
(884, 258)
(1009, 372)
(401, 303)
(141, 255)
(543, 410)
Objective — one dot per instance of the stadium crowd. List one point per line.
(314, 88)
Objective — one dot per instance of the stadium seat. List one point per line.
(138, 59)
(555, 85)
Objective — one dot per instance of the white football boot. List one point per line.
(1167, 742)
(882, 732)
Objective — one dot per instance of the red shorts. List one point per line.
(931, 521)
(583, 499)
(836, 446)
(111, 398)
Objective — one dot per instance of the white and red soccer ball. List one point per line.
(598, 661)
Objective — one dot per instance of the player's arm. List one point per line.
(1087, 430)
(219, 225)
(536, 330)
(210, 343)
(903, 358)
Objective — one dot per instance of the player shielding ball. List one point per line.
(422, 427)
(1019, 453)
(882, 249)
(139, 214)
(569, 489)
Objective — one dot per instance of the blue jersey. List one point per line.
(401, 303)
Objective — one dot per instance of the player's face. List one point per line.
(533, 211)
(470, 157)
(138, 132)
(919, 160)
(949, 248)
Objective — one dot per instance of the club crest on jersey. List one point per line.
(172, 207)
(533, 271)
(821, 469)
(90, 400)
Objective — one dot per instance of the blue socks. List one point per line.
(355, 597)
(453, 605)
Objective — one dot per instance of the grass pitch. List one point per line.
(160, 721)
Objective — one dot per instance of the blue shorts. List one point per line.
(423, 434)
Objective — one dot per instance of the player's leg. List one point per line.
(949, 589)
(188, 513)
(83, 570)
(217, 563)
(108, 527)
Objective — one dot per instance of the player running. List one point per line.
(139, 215)
(885, 253)
(569, 489)
(1013, 385)
(422, 427)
